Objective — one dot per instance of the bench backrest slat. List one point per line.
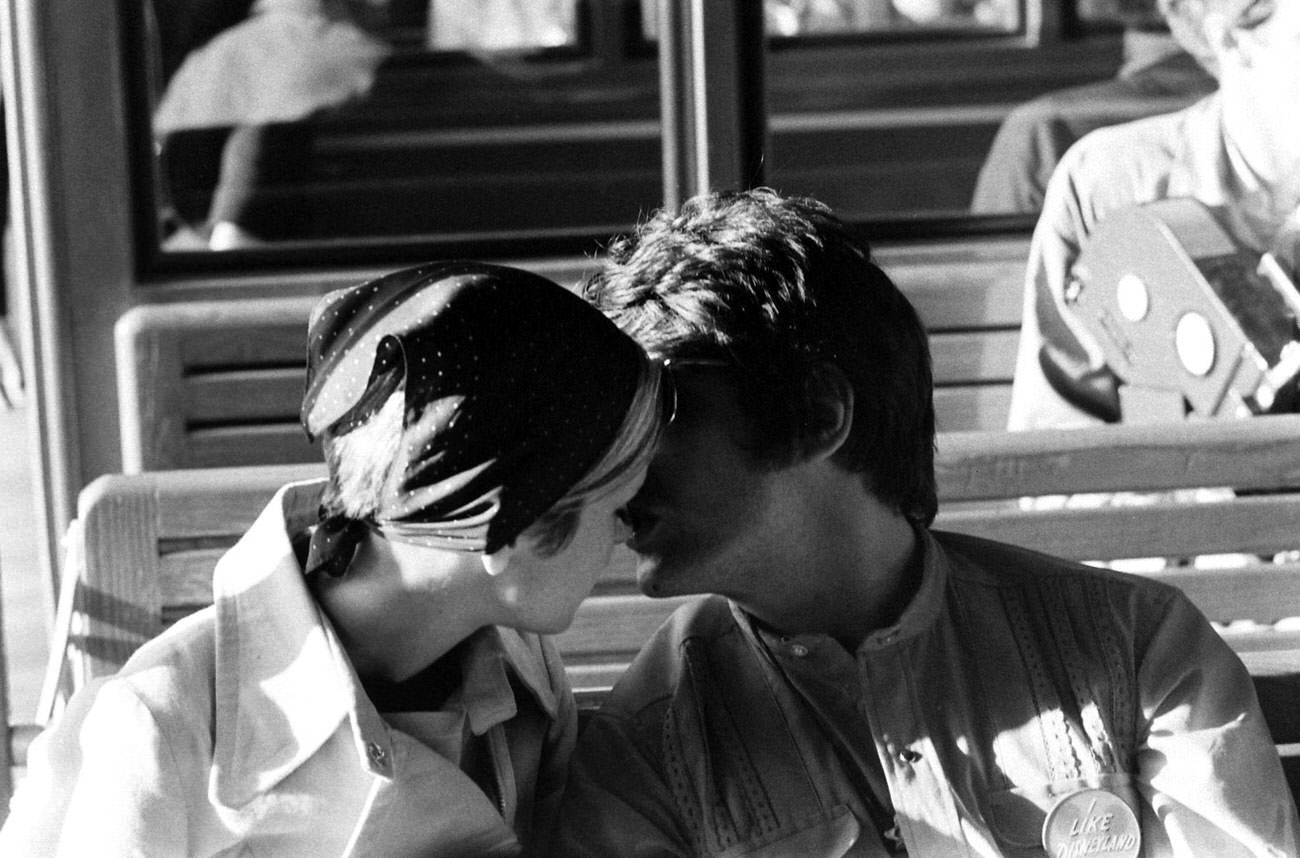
(242, 395)
(1266, 593)
(1254, 454)
(974, 357)
(1264, 524)
(967, 405)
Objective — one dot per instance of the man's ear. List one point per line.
(499, 561)
(829, 413)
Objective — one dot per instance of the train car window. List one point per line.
(814, 18)
(921, 132)
(456, 25)
(321, 129)
(942, 117)
(315, 130)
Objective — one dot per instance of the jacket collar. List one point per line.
(284, 684)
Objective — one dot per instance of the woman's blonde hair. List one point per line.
(632, 448)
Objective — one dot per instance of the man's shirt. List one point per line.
(1012, 680)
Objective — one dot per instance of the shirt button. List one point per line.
(377, 754)
(907, 756)
(798, 650)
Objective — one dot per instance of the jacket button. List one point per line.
(799, 650)
(377, 754)
(907, 756)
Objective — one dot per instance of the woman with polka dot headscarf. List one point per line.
(373, 677)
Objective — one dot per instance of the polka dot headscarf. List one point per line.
(514, 387)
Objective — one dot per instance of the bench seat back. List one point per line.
(145, 544)
(143, 547)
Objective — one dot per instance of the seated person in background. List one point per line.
(860, 684)
(372, 677)
(235, 114)
(1237, 151)
(1157, 76)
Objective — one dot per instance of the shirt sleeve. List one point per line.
(617, 801)
(1207, 767)
(101, 782)
(1019, 162)
(1046, 328)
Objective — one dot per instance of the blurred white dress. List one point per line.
(286, 61)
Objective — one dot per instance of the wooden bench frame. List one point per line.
(142, 550)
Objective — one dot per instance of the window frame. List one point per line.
(878, 67)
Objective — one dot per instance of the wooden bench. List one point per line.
(212, 383)
(143, 546)
(217, 383)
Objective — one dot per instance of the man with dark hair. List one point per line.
(860, 684)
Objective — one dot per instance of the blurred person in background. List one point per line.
(1157, 76)
(238, 96)
(1236, 151)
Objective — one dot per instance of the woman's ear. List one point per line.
(829, 398)
(498, 562)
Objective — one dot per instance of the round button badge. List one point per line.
(1092, 822)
